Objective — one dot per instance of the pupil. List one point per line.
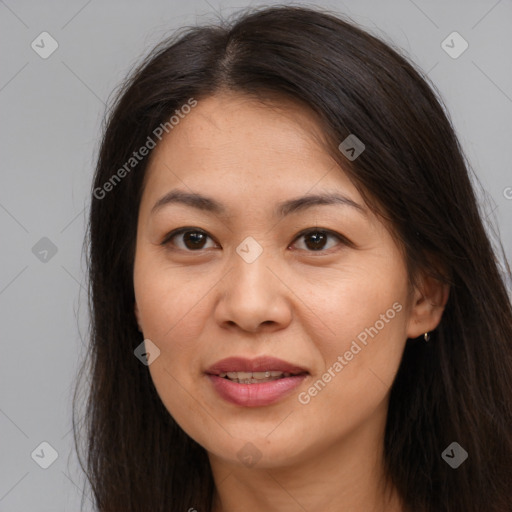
(194, 237)
(318, 240)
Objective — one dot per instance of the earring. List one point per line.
(426, 336)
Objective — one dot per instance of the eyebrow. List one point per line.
(283, 209)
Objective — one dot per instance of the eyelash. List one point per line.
(328, 232)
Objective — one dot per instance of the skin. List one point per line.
(200, 305)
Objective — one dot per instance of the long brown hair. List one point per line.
(456, 388)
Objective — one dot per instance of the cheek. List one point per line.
(172, 316)
(168, 301)
(174, 309)
(361, 338)
(357, 302)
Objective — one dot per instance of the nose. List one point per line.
(254, 297)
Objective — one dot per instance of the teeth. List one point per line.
(254, 377)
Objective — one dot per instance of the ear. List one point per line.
(429, 301)
(137, 315)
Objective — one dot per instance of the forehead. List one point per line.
(230, 115)
(235, 144)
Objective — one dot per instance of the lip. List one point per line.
(255, 395)
(259, 364)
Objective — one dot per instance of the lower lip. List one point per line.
(255, 395)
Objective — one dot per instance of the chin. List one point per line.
(260, 452)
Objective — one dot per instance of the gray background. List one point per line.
(51, 110)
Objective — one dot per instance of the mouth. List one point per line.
(254, 382)
(256, 377)
(260, 369)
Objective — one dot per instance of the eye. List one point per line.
(316, 239)
(193, 240)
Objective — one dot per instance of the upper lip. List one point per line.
(259, 364)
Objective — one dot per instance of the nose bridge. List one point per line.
(250, 250)
(251, 260)
(252, 294)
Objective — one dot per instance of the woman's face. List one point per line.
(261, 272)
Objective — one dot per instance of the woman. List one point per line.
(294, 302)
